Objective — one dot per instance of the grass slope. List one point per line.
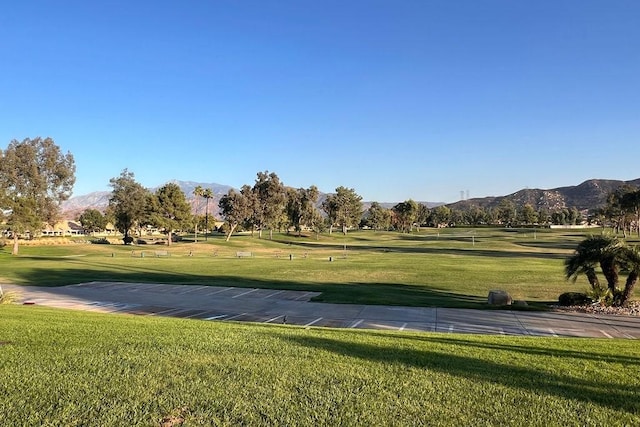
(75, 368)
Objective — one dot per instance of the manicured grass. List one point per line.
(75, 368)
(449, 268)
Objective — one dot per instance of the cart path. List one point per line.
(215, 303)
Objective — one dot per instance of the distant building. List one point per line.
(63, 228)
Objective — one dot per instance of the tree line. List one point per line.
(35, 177)
(270, 205)
(267, 205)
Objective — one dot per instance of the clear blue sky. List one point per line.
(396, 99)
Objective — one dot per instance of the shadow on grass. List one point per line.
(340, 293)
(616, 396)
(525, 349)
(541, 351)
(471, 251)
(550, 245)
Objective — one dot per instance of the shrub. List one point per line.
(574, 298)
(602, 296)
(8, 297)
(101, 241)
(128, 240)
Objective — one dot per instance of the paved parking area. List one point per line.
(213, 303)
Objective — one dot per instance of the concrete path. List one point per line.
(212, 303)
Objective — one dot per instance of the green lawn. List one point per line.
(70, 368)
(448, 268)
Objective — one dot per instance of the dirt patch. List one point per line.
(175, 417)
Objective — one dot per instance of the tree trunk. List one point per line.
(270, 234)
(15, 244)
(169, 237)
(611, 273)
(233, 227)
(196, 235)
(628, 288)
(206, 221)
(593, 279)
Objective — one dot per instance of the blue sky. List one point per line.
(396, 99)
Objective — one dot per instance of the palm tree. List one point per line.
(587, 256)
(632, 265)
(610, 260)
(207, 194)
(610, 254)
(579, 264)
(198, 192)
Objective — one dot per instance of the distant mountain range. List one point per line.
(590, 194)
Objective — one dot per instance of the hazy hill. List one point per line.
(588, 195)
(100, 199)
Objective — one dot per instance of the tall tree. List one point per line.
(197, 192)
(405, 214)
(475, 215)
(127, 203)
(35, 177)
(543, 216)
(317, 223)
(378, 217)
(93, 220)
(527, 215)
(236, 208)
(507, 212)
(574, 216)
(344, 208)
(440, 216)
(617, 211)
(301, 206)
(330, 207)
(207, 193)
(173, 210)
(457, 216)
(270, 196)
(630, 203)
(422, 216)
(560, 217)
